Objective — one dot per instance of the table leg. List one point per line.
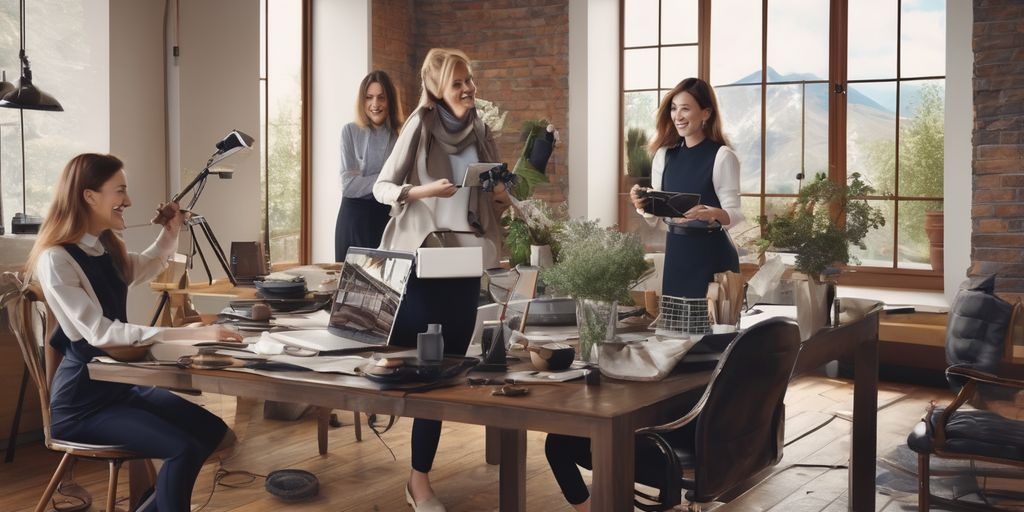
(492, 445)
(612, 450)
(865, 421)
(513, 469)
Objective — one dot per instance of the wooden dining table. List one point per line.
(608, 413)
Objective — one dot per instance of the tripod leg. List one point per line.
(218, 251)
(160, 307)
(199, 250)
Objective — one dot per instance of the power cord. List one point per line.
(245, 478)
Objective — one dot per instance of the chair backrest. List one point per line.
(740, 429)
(32, 323)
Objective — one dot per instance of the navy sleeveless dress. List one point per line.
(693, 258)
(73, 395)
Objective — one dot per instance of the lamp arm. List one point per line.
(199, 177)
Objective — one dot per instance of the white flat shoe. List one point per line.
(431, 505)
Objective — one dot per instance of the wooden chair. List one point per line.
(27, 312)
(975, 435)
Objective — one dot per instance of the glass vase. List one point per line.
(596, 322)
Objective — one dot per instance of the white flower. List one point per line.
(491, 115)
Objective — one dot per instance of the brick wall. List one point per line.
(392, 49)
(519, 51)
(997, 244)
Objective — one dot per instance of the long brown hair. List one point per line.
(436, 73)
(395, 115)
(665, 131)
(68, 218)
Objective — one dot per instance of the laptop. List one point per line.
(370, 290)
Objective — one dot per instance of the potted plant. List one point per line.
(819, 227)
(596, 267)
(531, 227)
(539, 139)
(638, 159)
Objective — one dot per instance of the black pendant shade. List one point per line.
(27, 96)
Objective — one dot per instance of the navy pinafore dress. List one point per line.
(693, 258)
(73, 395)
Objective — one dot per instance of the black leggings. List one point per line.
(565, 453)
(451, 303)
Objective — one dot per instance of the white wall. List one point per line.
(958, 181)
(137, 130)
(594, 109)
(341, 58)
(216, 77)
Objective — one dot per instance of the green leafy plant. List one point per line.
(532, 222)
(814, 226)
(596, 263)
(638, 160)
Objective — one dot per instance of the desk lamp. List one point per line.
(232, 143)
(25, 96)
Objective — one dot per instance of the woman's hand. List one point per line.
(439, 188)
(501, 198)
(707, 214)
(634, 195)
(217, 333)
(170, 216)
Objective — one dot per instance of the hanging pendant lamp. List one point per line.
(27, 96)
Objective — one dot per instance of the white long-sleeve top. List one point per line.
(725, 176)
(74, 303)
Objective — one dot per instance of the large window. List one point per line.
(771, 67)
(281, 126)
(68, 56)
(659, 39)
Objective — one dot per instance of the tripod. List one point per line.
(218, 251)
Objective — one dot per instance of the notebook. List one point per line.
(370, 290)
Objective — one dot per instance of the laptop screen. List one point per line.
(370, 290)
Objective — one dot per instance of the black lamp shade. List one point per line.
(29, 97)
(5, 86)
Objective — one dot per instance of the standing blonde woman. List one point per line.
(439, 140)
(85, 270)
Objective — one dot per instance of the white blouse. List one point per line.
(725, 176)
(74, 303)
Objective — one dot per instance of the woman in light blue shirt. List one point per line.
(365, 145)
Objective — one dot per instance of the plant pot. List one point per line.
(596, 322)
(812, 304)
(933, 226)
(540, 256)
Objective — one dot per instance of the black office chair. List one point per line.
(950, 433)
(735, 430)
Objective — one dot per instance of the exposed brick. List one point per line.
(990, 226)
(1009, 210)
(1001, 240)
(994, 196)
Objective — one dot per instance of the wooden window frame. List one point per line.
(891, 276)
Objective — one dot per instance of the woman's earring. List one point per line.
(703, 124)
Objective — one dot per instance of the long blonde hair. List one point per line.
(436, 73)
(68, 218)
(665, 133)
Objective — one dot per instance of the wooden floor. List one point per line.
(362, 476)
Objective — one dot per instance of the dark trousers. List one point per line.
(360, 223)
(451, 303)
(160, 425)
(566, 453)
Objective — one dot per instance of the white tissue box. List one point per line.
(449, 262)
